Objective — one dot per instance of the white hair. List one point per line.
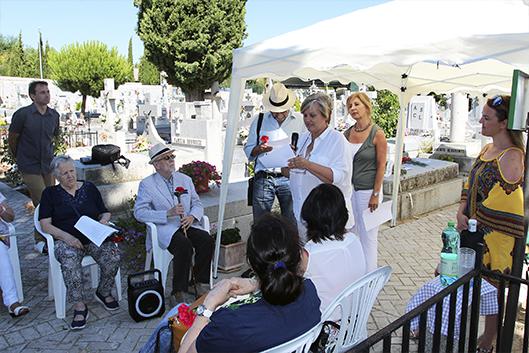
(57, 162)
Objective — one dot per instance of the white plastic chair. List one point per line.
(162, 257)
(56, 286)
(355, 304)
(15, 262)
(299, 344)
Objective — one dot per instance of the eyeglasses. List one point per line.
(168, 158)
(496, 101)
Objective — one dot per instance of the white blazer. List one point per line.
(155, 198)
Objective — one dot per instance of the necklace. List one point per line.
(363, 129)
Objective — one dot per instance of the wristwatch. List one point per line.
(375, 193)
(203, 311)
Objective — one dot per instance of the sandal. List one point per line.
(485, 350)
(111, 305)
(18, 311)
(79, 324)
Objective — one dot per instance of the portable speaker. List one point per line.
(145, 297)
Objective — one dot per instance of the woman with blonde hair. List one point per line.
(369, 147)
(323, 156)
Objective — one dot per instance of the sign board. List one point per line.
(519, 104)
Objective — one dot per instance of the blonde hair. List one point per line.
(364, 99)
(322, 101)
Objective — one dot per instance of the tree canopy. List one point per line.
(148, 72)
(191, 40)
(83, 67)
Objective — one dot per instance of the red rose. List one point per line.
(180, 189)
(264, 139)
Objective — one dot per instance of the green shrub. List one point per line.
(386, 110)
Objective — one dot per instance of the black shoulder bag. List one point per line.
(249, 194)
(107, 154)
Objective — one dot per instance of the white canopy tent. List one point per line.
(406, 46)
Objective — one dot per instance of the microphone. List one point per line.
(294, 141)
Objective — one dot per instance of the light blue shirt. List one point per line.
(293, 123)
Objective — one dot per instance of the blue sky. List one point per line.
(114, 21)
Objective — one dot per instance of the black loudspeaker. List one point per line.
(146, 296)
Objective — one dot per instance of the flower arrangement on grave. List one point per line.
(409, 160)
(201, 173)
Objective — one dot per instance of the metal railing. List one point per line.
(81, 138)
(505, 344)
(472, 278)
(504, 339)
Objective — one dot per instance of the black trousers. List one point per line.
(182, 249)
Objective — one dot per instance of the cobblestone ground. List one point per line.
(411, 249)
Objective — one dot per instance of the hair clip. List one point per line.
(279, 264)
(497, 100)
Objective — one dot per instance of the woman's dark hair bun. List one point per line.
(274, 253)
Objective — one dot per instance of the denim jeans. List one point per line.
(165, 335)
(265, 189)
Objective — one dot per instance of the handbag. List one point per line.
(249, 193)
(177, 328)
(107, 154)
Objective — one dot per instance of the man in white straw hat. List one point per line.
(176, 219)
(269, 182)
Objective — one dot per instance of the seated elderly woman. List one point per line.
(335, 257)
(61, 206)
(7, 280)
(283, 305)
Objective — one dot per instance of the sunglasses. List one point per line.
(168, 158)
(496, 101)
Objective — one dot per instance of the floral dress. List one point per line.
(497, 205)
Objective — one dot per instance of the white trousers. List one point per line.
(7, 278)
(369, 239)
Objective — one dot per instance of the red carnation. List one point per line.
(186, 316)
(179, 191)
(264, 139)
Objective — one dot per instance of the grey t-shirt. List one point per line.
(35, 143)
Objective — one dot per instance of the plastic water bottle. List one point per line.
(449, 255)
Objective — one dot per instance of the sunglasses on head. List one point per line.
(496, 101)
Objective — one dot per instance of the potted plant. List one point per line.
(232, 253)
(201, 173)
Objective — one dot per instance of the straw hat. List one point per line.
(279, 99)
(158, 150)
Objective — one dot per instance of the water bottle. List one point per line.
(449, 255)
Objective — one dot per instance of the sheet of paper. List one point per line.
(382, 214)
(274, 135)
(93, 230)
(280, 154)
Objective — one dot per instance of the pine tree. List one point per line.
(130, 58)
(83, 67)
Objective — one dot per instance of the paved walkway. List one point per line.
(411, 249)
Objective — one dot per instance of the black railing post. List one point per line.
(517, 263)
(476, 298)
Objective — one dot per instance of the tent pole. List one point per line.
(234, 107)
(401, 127)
